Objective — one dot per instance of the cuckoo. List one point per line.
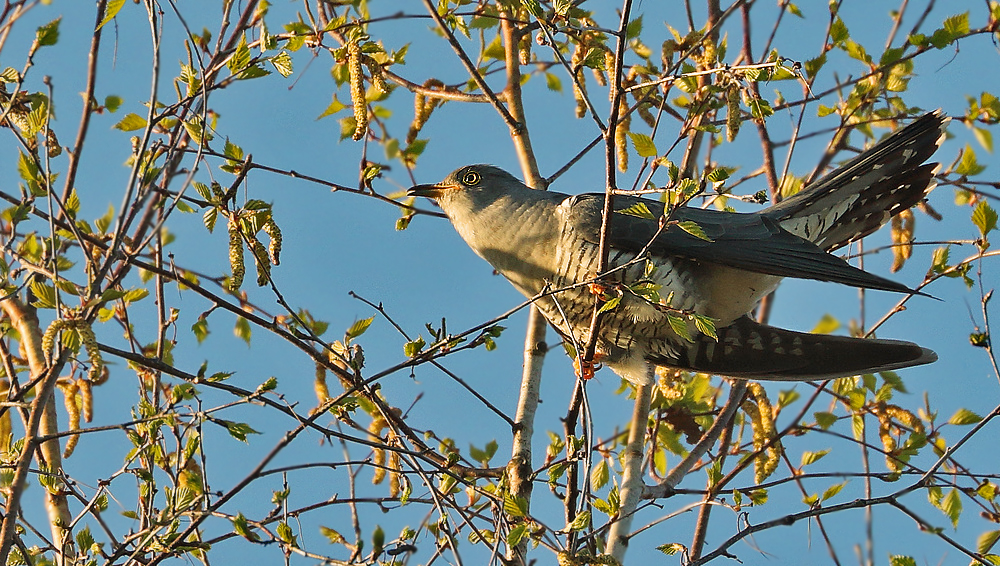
(546, 244)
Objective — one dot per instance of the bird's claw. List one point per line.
(585, 369)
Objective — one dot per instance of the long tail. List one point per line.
(856, 199)
(749, 350)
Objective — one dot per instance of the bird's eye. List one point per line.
(470, 178)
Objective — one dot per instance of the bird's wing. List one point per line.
(752, 242)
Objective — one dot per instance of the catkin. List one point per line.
(89, 341)
(319, 385)
(354, 71)
(378, 78)
(274, 247)
(236, 262)
(762, 418)
(86, 388)
(49, 338)
(73, 410)
(902, 236)
(579, 82)
(733, 121)
(621, 135)
(260, 260)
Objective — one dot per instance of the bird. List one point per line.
(546, 244)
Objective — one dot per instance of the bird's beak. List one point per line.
(430, 191)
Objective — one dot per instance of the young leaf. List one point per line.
(359, 327)
(639, 210)
(131, 122)
(693, 229)
(984, 217)
(643, 144)
(964, 417)
(110, 11)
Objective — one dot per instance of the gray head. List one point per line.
(471, 188)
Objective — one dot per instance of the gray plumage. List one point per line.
(543, 240)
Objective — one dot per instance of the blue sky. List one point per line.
(336, 243)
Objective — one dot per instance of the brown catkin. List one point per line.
(902, 236)
(236, 262)
(354, 71)
(86, 388)
(888, 442)
(421, 111)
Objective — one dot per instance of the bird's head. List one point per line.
(470, 188)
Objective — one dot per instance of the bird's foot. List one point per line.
(585, 369)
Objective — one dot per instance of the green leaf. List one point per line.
(672, 548)
(951, 505)
(838, 31)
(135, 295)
(239, 431)
(964, 417)
(956, 25)
(825, 420)
(600, 475)
(516, 534)
(694, 229)
(242, 329)
(984, 217)
(705, 325)
(638, 209)
(110, 11)
(413, 347)
(643, 144)
(49, 33)
(857, 426)
(331, 535)
(515, 506)
(679, 326)
(200, 329)
(334, 107)
(242, 527)
(812, 66)
(282, 63)
(900, 560)
(131, 122)
(610, 304)
(826, 325)
(833, 490)
(580, 522)
(534, 8)
(969, 165)
(112, 103)
(811, 457)
(760, 108)
(986, 541)
(984, 137)
(240, 59)
(45, 295)
(359, 327)
(553, 82)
